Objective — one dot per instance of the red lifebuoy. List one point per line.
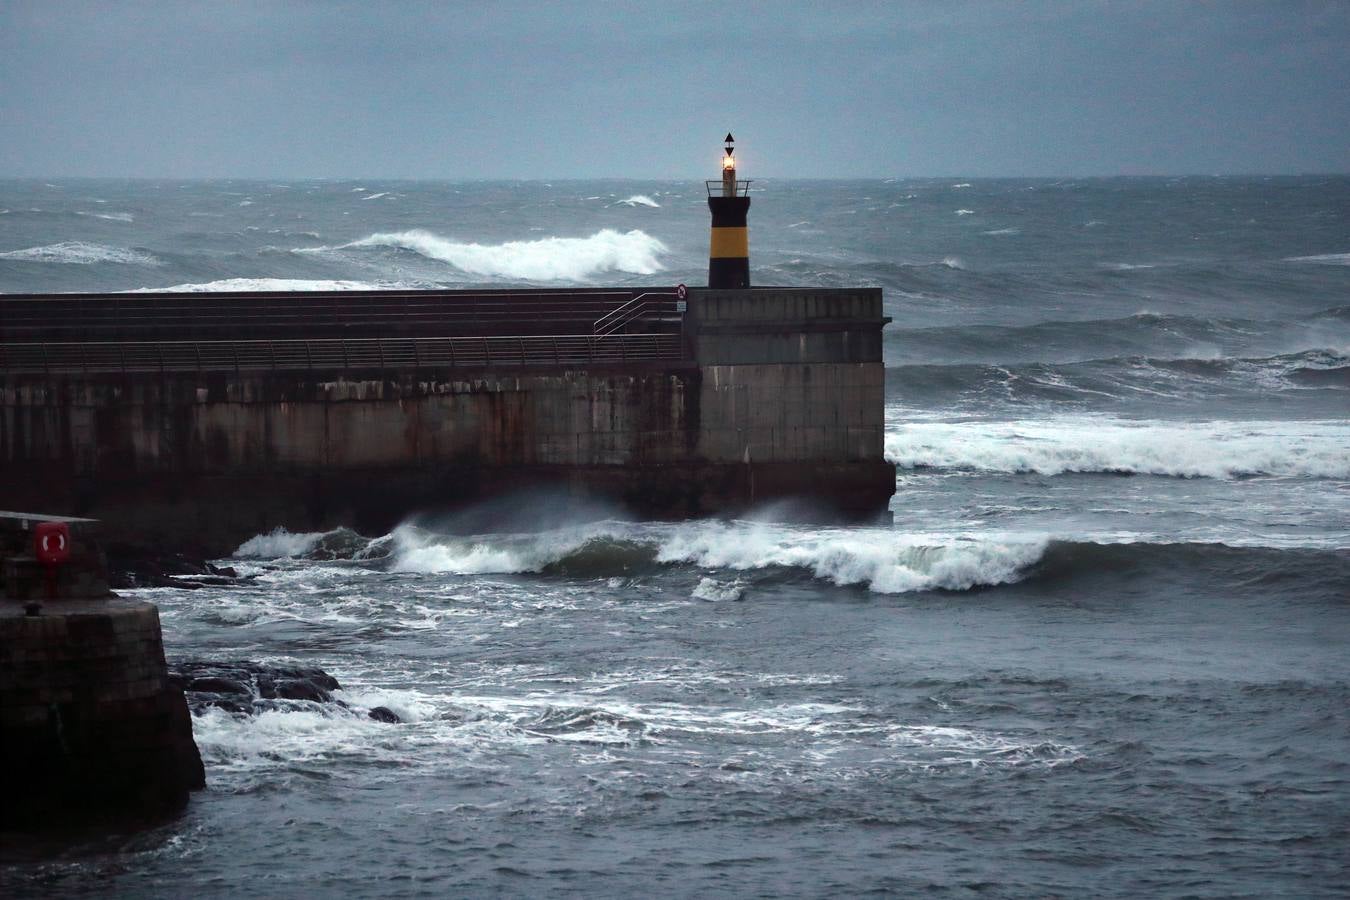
(51, 543)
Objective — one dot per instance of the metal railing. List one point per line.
(634, 309)
(293, 315)
(128, 357)
(716, 188)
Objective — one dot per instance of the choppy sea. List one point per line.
(1104, 650)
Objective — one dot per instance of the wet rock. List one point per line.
(384, 714)
(301, 689)
(248, 688)
(218, 685)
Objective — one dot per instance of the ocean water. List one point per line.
(1103, 650)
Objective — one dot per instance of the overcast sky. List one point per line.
(646, 89)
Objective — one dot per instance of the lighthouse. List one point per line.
(729, 247)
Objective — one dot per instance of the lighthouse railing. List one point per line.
(717, 189)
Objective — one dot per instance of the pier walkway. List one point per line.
(299, 330)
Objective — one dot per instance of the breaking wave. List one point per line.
(548, 259)
(82, 253)
(881, 560)
(639, 200)
(1319, 449)
(731, 558)
(884, 561)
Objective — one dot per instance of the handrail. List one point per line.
(617, 318)
(382, 353)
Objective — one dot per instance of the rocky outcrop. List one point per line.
(248, 688)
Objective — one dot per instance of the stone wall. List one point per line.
(89, 725)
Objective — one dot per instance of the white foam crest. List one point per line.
(886, 561)
(998, 231)
(375, 196)
(953, 262)
(81, 253)
(1192, 450)
(1330, 259)
(279, 543)
(639, 200)
(548, 259)
(965, 212)
(274, 284)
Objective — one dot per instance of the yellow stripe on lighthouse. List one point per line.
(729, 242)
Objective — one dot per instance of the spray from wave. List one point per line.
(548, 259)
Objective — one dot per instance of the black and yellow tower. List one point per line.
(729, 250)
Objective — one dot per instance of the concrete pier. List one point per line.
(709, 406)
(89, 725)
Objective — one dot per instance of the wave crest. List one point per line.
(548, 259)
(82, 253)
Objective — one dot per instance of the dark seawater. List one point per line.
(1102, 651)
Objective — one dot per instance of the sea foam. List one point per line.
(548, 259)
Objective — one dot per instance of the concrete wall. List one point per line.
(786, 325)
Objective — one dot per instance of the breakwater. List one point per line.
(198, 421)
